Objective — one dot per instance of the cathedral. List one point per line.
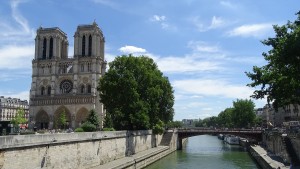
(66, 84)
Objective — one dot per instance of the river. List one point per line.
(206, 152)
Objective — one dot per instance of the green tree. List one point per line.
(279, 79)
(174, 124)
(62, 119)
(243, 113)
(19, 119)
(135, 93)
(93, 118)
(258, 121)
(199, 123)
(225, 118)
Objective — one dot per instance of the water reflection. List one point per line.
(206, 152)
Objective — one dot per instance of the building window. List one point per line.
(51, 48)
(90, 46)
(82, 89)
(44, 48)
(83, 45)
(82, 67)
(49, 90)
(89, 67)
(42, 91)
(50, 69)
(89, 89)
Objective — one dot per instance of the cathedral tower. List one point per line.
(66, 84)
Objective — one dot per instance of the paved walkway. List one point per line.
(269, 159)
(130, 160)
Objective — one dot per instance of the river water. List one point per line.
(206, 152)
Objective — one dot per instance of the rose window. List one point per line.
(66, 86)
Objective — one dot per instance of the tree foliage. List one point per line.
(243, 113)
(135, 94)
(225, 118)
(88, 127)
(174, 124)
(279, 79)
(93, 118)
(19, 117)
(62, 119)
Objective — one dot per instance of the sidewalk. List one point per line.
(131, 160)
(270, 160)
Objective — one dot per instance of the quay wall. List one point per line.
(75, 150)
(264, 160)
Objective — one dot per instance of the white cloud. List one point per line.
(157, 18)
(185, 64)
(23, 95)
(212, 87)
(200, 46)
(131, 49)
(216, 22)
(162, 20)
(254, 30)
(16, 57)
(17, 31)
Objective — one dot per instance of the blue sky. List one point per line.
(203, 46)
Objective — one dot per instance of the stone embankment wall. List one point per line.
(74, 150)
(295, 139)
(273, 142)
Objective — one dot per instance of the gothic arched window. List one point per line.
(44, 48)
(42, 91)
(83, 45)
(90, 46)
(89, 89)
(49, 90)
(51, 48)
(82, 68)
(82, 89)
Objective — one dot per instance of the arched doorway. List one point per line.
(62, 118)
(42, 120)
(81, 116)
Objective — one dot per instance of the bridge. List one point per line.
(245, 133)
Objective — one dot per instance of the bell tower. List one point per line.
(89, 41)
(51, 43)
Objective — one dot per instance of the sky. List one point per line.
(204, 47)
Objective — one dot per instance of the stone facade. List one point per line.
(66, 84)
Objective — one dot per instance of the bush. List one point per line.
(79, 129)
(88, 127)
(158, 128)
(26, 132)
(108, 129)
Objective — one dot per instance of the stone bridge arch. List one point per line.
(185, 133)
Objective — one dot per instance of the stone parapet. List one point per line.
(74, 150)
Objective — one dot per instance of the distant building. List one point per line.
(189, 122)
(259, 112)
(282, 114)
(9, 107)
